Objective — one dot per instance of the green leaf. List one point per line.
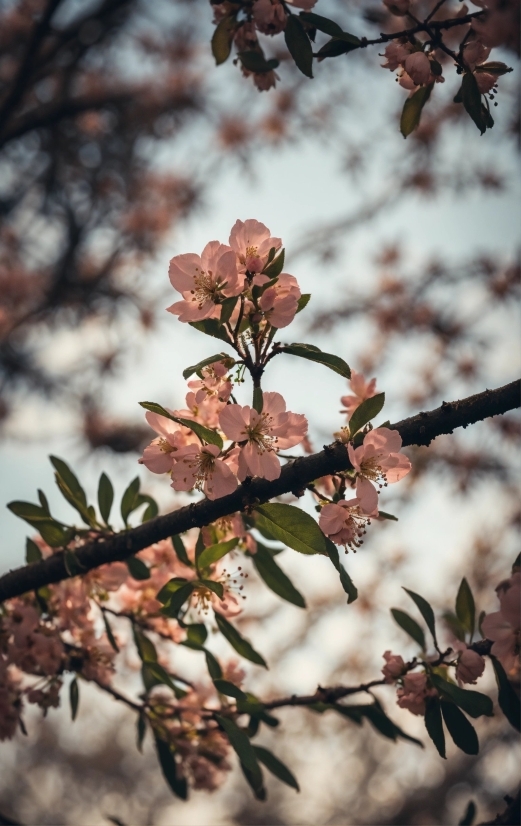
(212, 664)
(70, 479)
(307, 351)
(216, 587)
(151, 511)
(211, 327)
(43, 501)
(275, 578)
(105, 497)
(346, 581)
(161, 676)
(203, 433)
(197, 633)
(227, 308)
(177, 600)
(128, 501)
(145, 647)
(222, 39)
(299, 45)
(323, 24)
(180, 550)
(31, 513)
(274, 268)
(434, 724)
(171, 771)
(462, 732)
(215, 552)
(471, 99)
(454, 625)
(303, 301)
(72, 563)
(365, 412)
(74, 697)
(170, 587)
(32, 551)
(242, 646)
(253, 62)
(255, 781)
(473, 703)
(137, 568)
(87, 516)
(470, 814)
(385, 515)
(228, 688)
(412, 109)
(379, 719)
(336, 47)
(425, 610)
(465, 607)
(240, 742)
(109, 633)
(276, 767)
(294, 527)
(53, 533)
(507, 697)
(204, 363)
(410, 626)
(141, 730)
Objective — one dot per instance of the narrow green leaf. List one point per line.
(275, 578)
(336, 47)
(211, 327)
(109, 633)
(346, 581)
(31, 513)
(53, 533)
(462, 732)
(70, 479)
(222, 39)
(507, 697)
(151, 511)
(171, 771)
(365, 412)
(87, 516)
(454, 625)
(32, 551)
(242, 646)
(275, 267)
(425, 610)
(276, 767)
(141, 730)
(105, 497)
(323, 24)
(255, 781)
(473, 703)
(465, 607)
(137, 568)
(145, 647)
(410, 626)
(382, 723)
(44, 502)
(216, 587)
(128, 501)
(385, 515)
(212, 664)
(170, 587)
(228, 688)
(307, 351)
(299, 45)
(258, 400)
(160, 675)
(434, 724)
(205, 434)
(303, 301)
(197, 633)
(177, 600)
(471, 99)
(412, 109)
(470, 814)
(204, 363)
(254, 62)
(74, 697)
(240, 743)
(180, 550)
(215, 552)
(288, 524)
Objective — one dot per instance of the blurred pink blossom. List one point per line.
(362, 390)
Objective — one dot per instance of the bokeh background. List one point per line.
(126, 146)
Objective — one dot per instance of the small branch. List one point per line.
(416, 430)
(438, 25)
(323, 695)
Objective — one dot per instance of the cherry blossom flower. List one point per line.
(252, 243)
(362, 390)
(503, 626)
(205, 412)
(414, 692)
(344, 523)
(261, 434)
(199, 467)
(215, 383)
(394, 667)
(159, 455)
(269, 16)
(378, 461)
(470, 666)
(396, 54)
(418, 67)
(279, 303)
(203, 281)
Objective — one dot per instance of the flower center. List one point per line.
(206, 288)
(373, 471)
(165, 446)
(260, 433)
(356, 523)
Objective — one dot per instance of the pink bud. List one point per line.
(394, 666)
(418, 67)
(470, 666)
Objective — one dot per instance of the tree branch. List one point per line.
(416, 430)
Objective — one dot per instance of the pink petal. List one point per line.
(165, 427)
(221, 482)
(269, 466)
(331, 519)
(182, 271)
(273, 404)
(292, 432)
(156, 459)
(396, 466)
(367, 496)
(384, 440)
(233, 420)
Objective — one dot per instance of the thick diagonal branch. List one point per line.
(416, 430)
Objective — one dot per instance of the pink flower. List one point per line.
(485, 81)
(377, 460)
(406, 81)
(261, 434)
(393, 668)
(279, 302)
(362, 390)
(215, 382)
(200, 468)
(418, 67)
(203, 281)
(252, 242)
(398, 7)
(474, 53)
(414, 692)
(503, 626)
(269, 16)
(396, 53)
(159, 455)
(264, 81)
(205, 412)
(470, 666)
(343, 522)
